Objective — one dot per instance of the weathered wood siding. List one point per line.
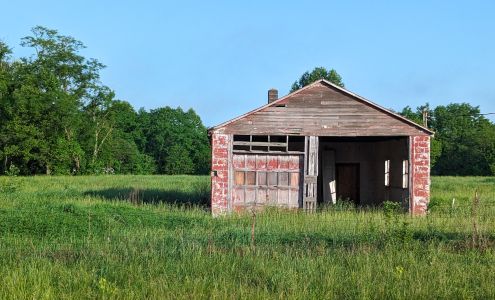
(266, 179)
(322, 110)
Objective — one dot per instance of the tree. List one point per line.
(5, 74)
(317, 73)
(177, 141)
(49, 92)
(468, 142)
(56, 117)
(464, 141)
(100, 122)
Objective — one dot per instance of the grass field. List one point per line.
(121, 237)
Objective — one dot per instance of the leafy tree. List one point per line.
(100, 122)
(467, 138)
(417, 117)
(58, 118)
(464, 142)
(48, 93)
(177, 141)
(5, 73)
(317, 73)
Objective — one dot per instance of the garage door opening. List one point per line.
(267, 170)
(364, 170)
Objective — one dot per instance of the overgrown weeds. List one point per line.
(80, 237)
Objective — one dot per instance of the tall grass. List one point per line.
(134, 237)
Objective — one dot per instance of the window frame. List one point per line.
(387, 173)
(405, 174)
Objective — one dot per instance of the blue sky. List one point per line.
(221, 57)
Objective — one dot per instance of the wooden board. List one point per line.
(328, 176)
(322, 111)
(266, 179)
(310, 173)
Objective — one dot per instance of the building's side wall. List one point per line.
(420, 174)
(220, 150)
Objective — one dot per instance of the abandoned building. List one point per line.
(316, 146)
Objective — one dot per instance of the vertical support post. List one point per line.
(310, 173)
(220, 177)
(419, 189)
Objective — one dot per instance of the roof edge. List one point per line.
(263, 107)
(377, 106)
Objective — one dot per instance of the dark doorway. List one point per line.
(347, 176)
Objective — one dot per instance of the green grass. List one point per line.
(135, 237)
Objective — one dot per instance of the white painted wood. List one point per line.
(328, 177)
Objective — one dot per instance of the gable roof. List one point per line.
(329, 84)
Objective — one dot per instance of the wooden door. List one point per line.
(348, 182)
(270, 179)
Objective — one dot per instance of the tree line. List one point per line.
(57, 117)
(464, 140)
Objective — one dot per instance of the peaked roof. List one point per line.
(330, 84)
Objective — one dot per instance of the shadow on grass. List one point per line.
(153, 196)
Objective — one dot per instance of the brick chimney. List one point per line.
(272, 95)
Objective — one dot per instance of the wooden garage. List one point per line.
(317, 146)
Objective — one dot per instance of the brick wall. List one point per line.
(420, 174)
(220, 146)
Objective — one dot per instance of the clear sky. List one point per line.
(221, 57)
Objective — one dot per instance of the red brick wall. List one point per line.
(420, 174)
(220, 145)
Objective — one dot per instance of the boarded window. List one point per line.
(387, 172)
(405, 174)
(250, 178)
(283, 179)
(272, 178)
(239, 178)
(294, 179)
(262, 178)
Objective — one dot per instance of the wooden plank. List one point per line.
(261, 197)
(272, 196)
(266, 180)
(239, 161)
(250, 196)
(283, 197)
(262, 179)
(274, 144)
(238, 196)
(265, 152)
(239, 177)
(250, 178)
(294, 198)
(323, 111)
(283, 179)
(261, 162)
(311, 173)
(328, 176)
(294, 180)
